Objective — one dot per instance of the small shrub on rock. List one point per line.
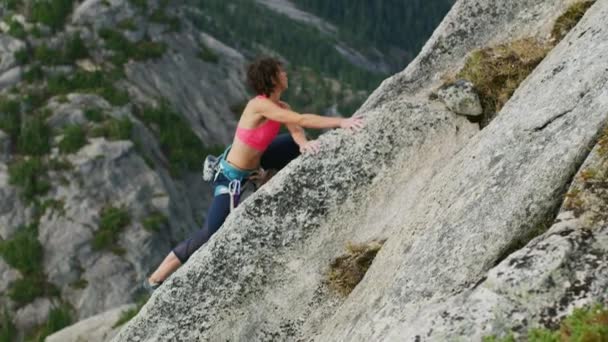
(10, 117)
(52, 13)
(16, 30)
(155, 222)
(35, 137)
(207, 55)
(8, 332)
(124, 49)
(22, 56)
(498, 71)
(59, 318)
(74, 138)
(33, 74)
(94, 114)
(112, 222)
(30, 176)
(23, 251)
(75, 48)
(114, 129)
(346, 271)
(584, 324)
(569, 19)
(25, 290)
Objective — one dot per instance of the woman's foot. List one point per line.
(150, 286)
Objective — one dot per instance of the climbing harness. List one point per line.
(214, 166)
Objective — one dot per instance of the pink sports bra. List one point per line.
(260, 137)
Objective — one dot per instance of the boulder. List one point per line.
(10, 77)
(8, 47)
(461, 98)
(98, 328)
(33, 315)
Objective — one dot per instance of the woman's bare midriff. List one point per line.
(243, 156)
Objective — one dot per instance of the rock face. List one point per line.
(451, 202)
(105, 174)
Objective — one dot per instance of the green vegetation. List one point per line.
(498, 71)
(583, 325)
(55, 206)
(22, 56)
(79, 284)
(74, 137)
(569, 19)
(73, 50)
(24, 252)
(59, 318)
(233, 25)
(34, 74)
(159, 16)
(508, 338)
(52, 13)
(111, 223)
(59, 164)
(30, 176)
(207, 55)
(346, 271)
(142, 4)
(8, 332)
(25, 290)
(155, 222)
(94, 114)
(16, 30)
(47, 56)
(181, 146)
(361, 22)
(127, 24)
(10, 117)
(95, 82)
(124, 49)
(13, 5)
(35, 136)
(114, 129)
(587, 194)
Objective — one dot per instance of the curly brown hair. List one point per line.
(262, 74)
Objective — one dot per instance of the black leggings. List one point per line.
(279, 153)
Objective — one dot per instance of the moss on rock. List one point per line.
(346, 271)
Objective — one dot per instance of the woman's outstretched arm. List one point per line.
(272, 111)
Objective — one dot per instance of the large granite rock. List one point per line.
(450, 202)
(537, 286)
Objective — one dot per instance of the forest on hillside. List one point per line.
(387, 23)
